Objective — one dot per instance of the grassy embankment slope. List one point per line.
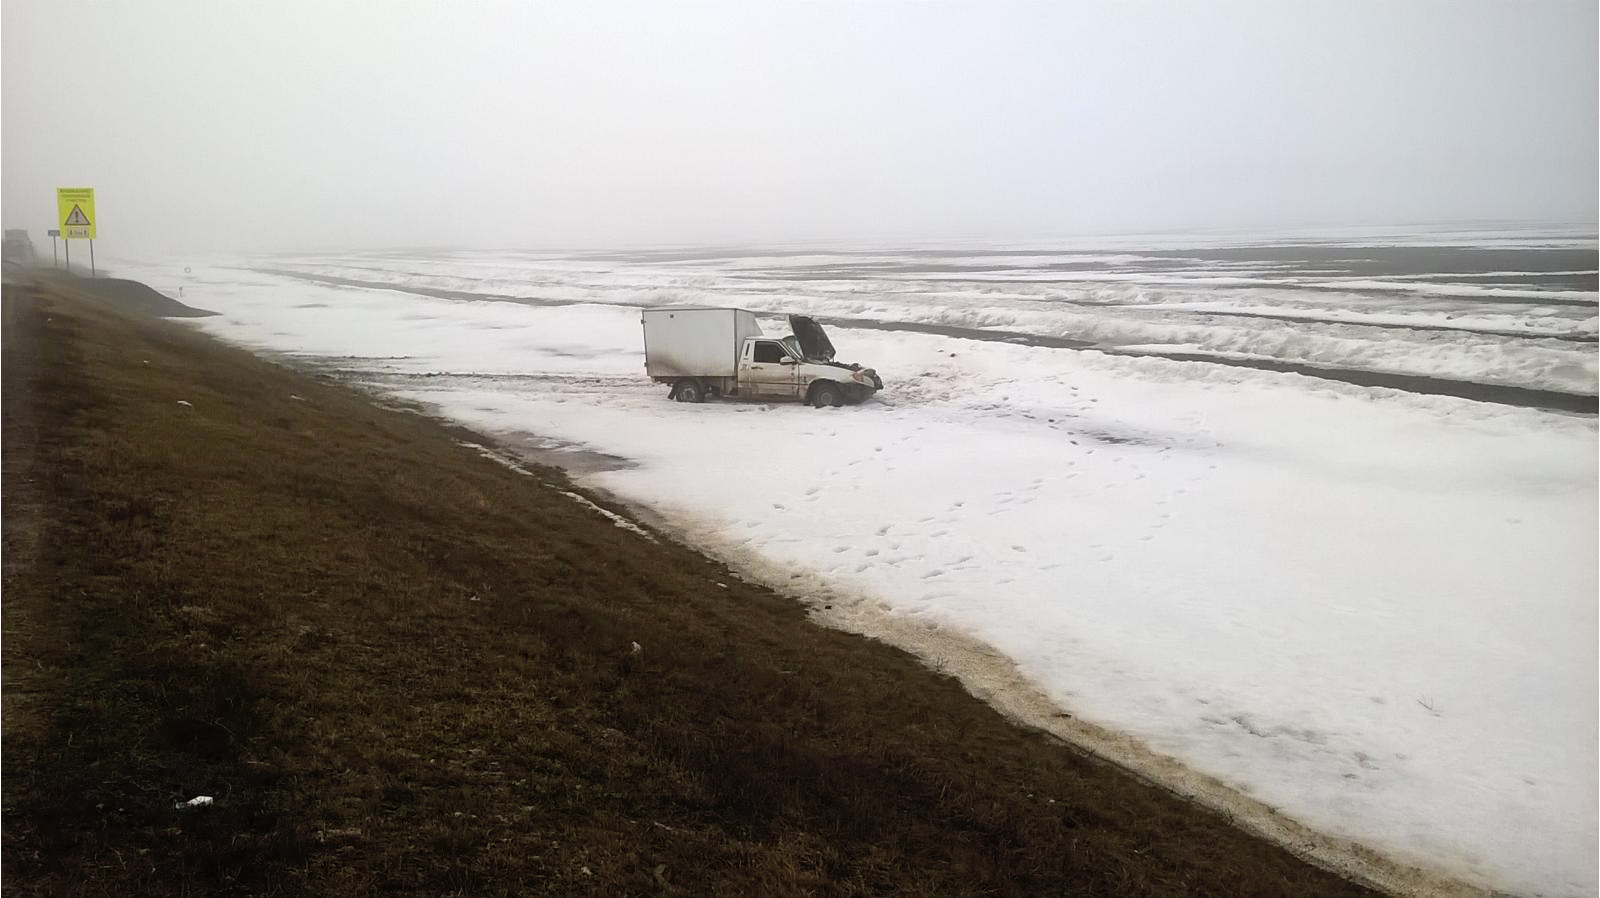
(401, 667)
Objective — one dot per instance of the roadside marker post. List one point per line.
(75, 211)
(55, 261)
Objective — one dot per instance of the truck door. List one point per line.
(765, 372)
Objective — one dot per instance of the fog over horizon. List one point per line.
(296, 126)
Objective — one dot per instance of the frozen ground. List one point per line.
(1370, 609)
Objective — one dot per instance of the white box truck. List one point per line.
(711, 353)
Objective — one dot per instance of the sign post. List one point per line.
(55, 261)
(75, 211)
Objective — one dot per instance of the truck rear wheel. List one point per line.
(827, 395)
(689, 391)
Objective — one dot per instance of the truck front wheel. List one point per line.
(827, 395)
(689, 391)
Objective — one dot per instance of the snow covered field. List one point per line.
(1509, 311)
(1373, 610)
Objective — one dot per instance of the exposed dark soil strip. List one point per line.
(436, 293)
(1464, 331)
(1349, 258)
(1523, 397)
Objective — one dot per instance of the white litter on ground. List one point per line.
(615, 518)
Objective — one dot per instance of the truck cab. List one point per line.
(799, 366)
(768, 368)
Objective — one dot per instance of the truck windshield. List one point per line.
(793, 345)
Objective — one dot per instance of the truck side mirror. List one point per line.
(786, 360)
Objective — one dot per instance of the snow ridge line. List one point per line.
(615, 518)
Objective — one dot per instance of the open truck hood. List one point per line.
(813, 342)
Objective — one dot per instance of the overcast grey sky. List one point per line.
(252, 126)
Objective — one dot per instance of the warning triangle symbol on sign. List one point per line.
(76, 217)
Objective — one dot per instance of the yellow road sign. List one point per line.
(75, 211)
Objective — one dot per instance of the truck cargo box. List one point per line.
(696, 342)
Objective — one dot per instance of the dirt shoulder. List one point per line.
(399, 666)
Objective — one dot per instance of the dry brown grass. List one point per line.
(401, 668)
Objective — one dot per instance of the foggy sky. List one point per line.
(233, 126)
